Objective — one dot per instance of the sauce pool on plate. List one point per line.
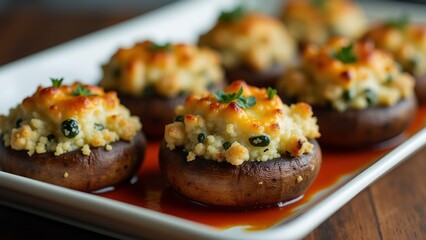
(151, 191)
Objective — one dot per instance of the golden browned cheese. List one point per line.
(35, 124)
(373, 79)
(168, 69)
(255, 41)
(228, 132)
(315, 21)
(406, 43)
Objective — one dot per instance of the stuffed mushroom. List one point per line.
(241, 148)
(152, 79)
(76, 136)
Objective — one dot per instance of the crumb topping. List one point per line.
(166, 70)
(345, 74)
(253, 40)
(223, 130)
(407, 43)
(316, 21)
(64, 118)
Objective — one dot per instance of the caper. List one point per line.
(201, 137)
(259, 141)
(70, 128)
(226, 145)
(50, 137)
(179, 118)
(348, 95)
(18, 123)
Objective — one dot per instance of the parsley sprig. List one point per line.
(242, 101)
(400, 23)
(232, 15)
(81, 91)
(56, 82)
(271, 92)
(166, 47)
(346, 54)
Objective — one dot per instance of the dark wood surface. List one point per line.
(392, 208)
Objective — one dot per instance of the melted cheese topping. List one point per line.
(227, 132)
(311, 21)
(167, 70)
(373, 79)
(255, 41)
(407, 45)
(35, 124)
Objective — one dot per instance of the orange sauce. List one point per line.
(152, 192)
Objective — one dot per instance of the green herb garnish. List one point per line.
(345, 54)
(400, 23)
(81, 91)
(232, 15)
(223, 97)
(99, 126)
(166, 47)
(371, 97)
(242, 101)
(56, 82)
(271, 92)
(246, 102)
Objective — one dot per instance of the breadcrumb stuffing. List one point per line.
(235, 135)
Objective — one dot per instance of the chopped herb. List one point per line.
(223, 97)
(241, 100)
(400, 23)
(99, 126)
(18, 123)
(70, 128)
(371, 97)
(50, 137)
(232, 15)
(56, 82)
(246, 102)
(345, 54)
(266, 149)
(179, 118)
(259, 141)
(271, 92)
(226, 145)
(348, 95)
(81, 91)
(166, 47)
(201, 137)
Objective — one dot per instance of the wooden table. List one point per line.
(392, 208)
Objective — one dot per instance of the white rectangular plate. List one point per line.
(81, 59)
